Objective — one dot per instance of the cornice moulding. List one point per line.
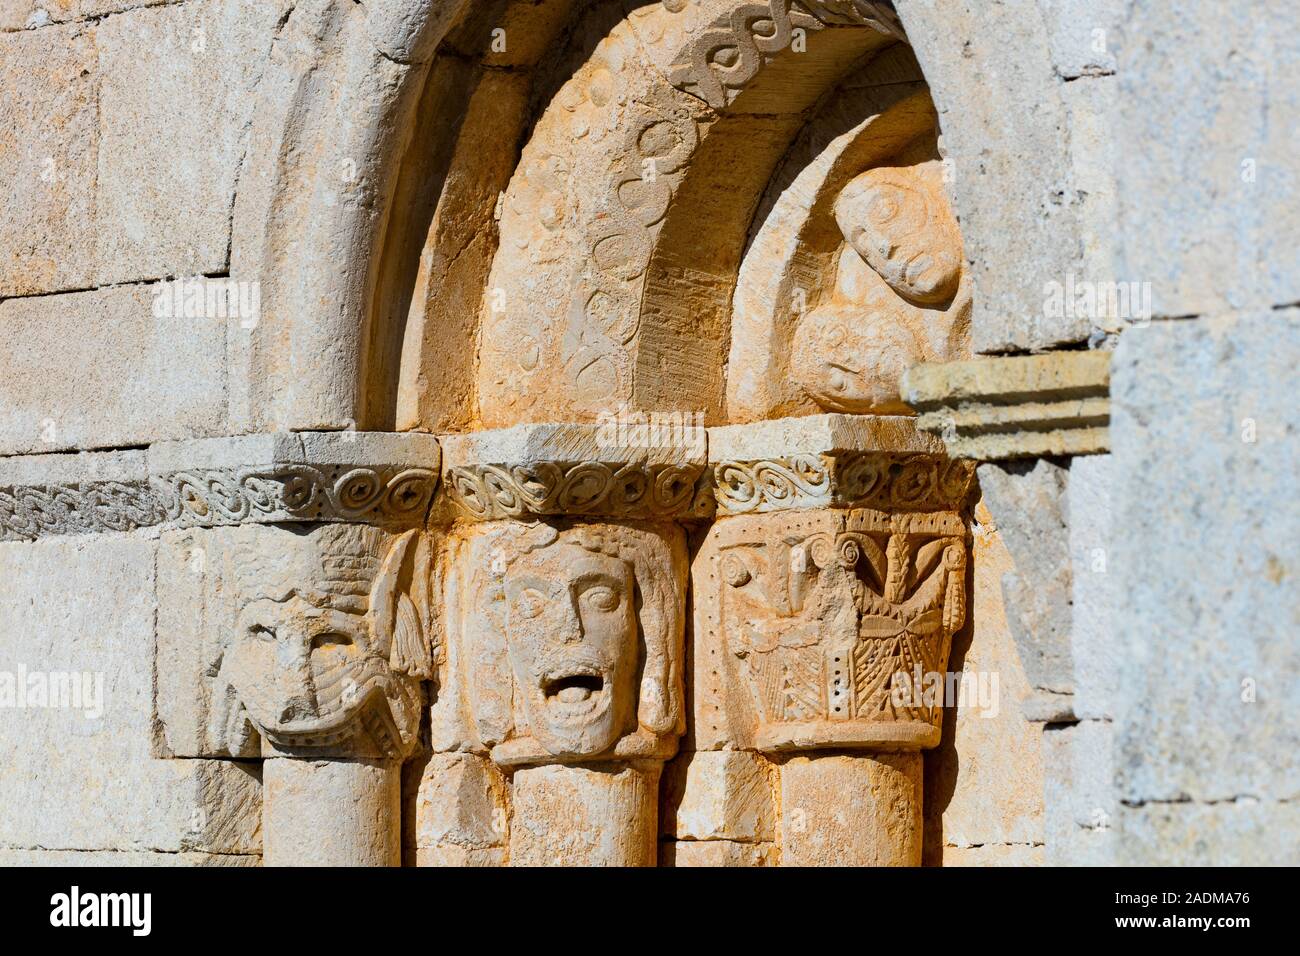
(625, 471)
(841, 461)
(1018, 407)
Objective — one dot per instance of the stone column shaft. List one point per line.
(851, 810)
(586, 815)
(331, 812)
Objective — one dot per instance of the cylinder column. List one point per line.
(840, 809)
(604, 814)
(331, 812)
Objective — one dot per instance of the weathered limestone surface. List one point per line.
(596, 815)
(1205, 489)
(458, 813)
(991, 71)
(1023, 407)
(129, 376)
(49, 140)
(1027, 505)
(30, 14)
(127, 150)
(332, 812)
(85, 606)
(1082, 808)
(719, 795)
(1094, 645)
(984, 782)
(838, 806)
(718, 853)
(996, 855)
(1217, 171)
(1083, 35)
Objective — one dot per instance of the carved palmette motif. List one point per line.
(817, 626)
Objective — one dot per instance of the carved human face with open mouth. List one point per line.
(901, 226)
(572, 636)
(305, 672)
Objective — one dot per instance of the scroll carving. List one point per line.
(872, 479)
(724, 58)
(620, 490)
(297, 493)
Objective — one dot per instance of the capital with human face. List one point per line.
(590, 617)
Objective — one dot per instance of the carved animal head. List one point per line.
(330, 642)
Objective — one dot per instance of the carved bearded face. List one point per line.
(899, 223)
(571, 630)
(322, 623)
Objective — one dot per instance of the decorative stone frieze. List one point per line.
(758, 31)
(576, 470)
(833, 461)
(89, 493)
(373, 478)
(369, 477)
(1019, 407)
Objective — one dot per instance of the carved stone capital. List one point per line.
(307, 641)
(614, 470)
(820, 628)
(830, 587)
(826, 461)
(1021, 407)
(564, 642)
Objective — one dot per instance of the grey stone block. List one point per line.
(1028, 506)
(1205, 489)
(1079, 793)
(1097, 657)
(82, 775)
(1006, 130)
(1209, 200)
(98, 369)
(1083, 35)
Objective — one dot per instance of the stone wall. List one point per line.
(459, 219)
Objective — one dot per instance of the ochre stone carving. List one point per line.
(724, 58)
(814, 617)
(575, 646)
(330, 644)
(902, 256)
(875, 479)
(556, 488)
